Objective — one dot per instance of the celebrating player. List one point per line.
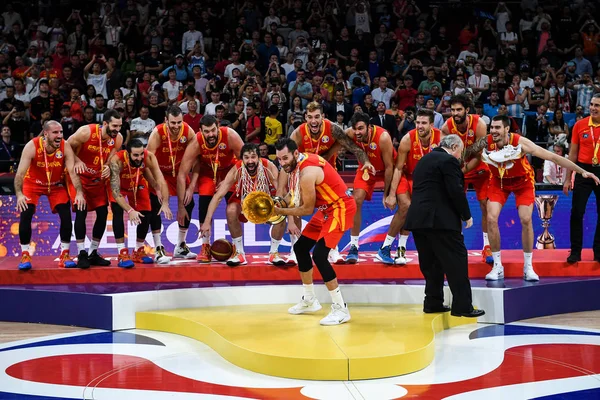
(314, 183)
(320, 136)
(473, 131)
(250, 174)
(168, 142)
(413, 146)
(516, 176)
(218, 148)
(41, 173)
(131, 172)
(93, 146)
(377, 143)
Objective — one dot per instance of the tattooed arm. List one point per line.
(472, 156)
(347, 143)
(115, 166)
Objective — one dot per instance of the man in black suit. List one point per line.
(386, 121)
(439, 204)
(338, 104)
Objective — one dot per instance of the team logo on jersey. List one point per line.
(373, 146)
(471, 132)
(111, 142)
(59, 154)
(585, 135)
(184, 139)
(325, 139)
(222, 146)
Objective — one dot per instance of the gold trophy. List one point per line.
(545, 204)
(259, 208)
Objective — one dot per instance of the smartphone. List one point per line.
(248, 41)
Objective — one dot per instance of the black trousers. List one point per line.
(582, 189)
(443, 252)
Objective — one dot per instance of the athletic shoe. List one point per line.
(384, 255)
(305, 306)
(25, 263)
(495, 274)
(96, 259)
(237, 259)
(335, 257)
(124, 259)
(160, 256)
(183, 251)
(352, 257)
(275, 259)
(66, 261)
(204, 256)
(140, 256)
(529, 274)
(486, 255)
(291, 259)
(338, 315)
(83, 261)
(401, 256)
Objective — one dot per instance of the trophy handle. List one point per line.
(277, 219)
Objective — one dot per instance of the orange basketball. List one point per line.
(221, 249)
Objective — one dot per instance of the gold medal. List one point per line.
(595, 160)
(365, 175)
(501, 171)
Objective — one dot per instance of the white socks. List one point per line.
(239, 245)
(486, 241)
(388, 241)
(120, 246)
(94, 245)
(25, 247)
(497, 259)
(528, 259)
(157, 239)
(293, 240)
(354, 241)
(205, 240)
(309, 291)
(402, 241)
(80, 246)
(64, 246)
(336, 297)
(139, 243)
(181, 236)
(274, 245)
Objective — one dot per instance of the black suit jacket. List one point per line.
(389, 124)
(438, 197)
(332, 112)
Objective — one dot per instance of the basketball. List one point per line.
(221, 249)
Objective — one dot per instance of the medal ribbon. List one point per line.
(596, 147)
(48, 172)
(99, 131)
(171, 156)
(137, 179)
(311, 140)
(365, 174)
(418, 141)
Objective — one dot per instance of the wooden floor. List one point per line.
(12, 331)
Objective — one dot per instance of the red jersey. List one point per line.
(238, 190)
(587, 136)
(221, 155)
(521, 167)
(46, 170)
(332, 191)
(170, 152)
(417, 150)
(468, 139)
(94, 153)
(132, 179)
(320, 145)
(373, 148)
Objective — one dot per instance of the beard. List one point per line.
(460, 119)
(251, 168)
(136, 164)
(290, 167)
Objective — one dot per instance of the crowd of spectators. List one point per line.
(256, 64)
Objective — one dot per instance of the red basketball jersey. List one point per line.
(170, 152)
(373, 148)
(94, 152)
(320, 145)
(417, 150)
(132, 179)
(332, 189)
(521, 167)
(221, 155)
(46, 170)
(468, 139)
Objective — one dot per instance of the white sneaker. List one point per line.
(183, 251)
(291, 259)
(338, 315)
(401, 259)
(275, 259)
(495, 274)
(305, 306)
(335, 257)
(160, 256)
(237, 259)
(529, 274)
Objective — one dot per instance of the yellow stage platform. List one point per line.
(380, 340)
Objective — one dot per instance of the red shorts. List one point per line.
(57, 195)
(206, 183)
(522, 187)
(331, 223)
(139, 202)
(405, 185)
(94, 193)
(480, 183)
(367, 186)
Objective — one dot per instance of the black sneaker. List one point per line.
(97, 260)
(573, 257)
(82, 260)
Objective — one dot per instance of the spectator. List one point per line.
(555, 174)
(142, 126)
(9, 150)
(253, 126)
(558, 128)
(100, 108)
(301, 87)
(384, 120)
(191, 38)
(273, 128)
(582, 65)
(96, 78)
(383, 93)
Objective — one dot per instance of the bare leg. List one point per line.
(483, 206)
(527, 227)
(359, 197)
(493, 213)
(233, 212)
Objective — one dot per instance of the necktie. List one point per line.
(381, 117)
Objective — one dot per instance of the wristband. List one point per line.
(130, 210)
